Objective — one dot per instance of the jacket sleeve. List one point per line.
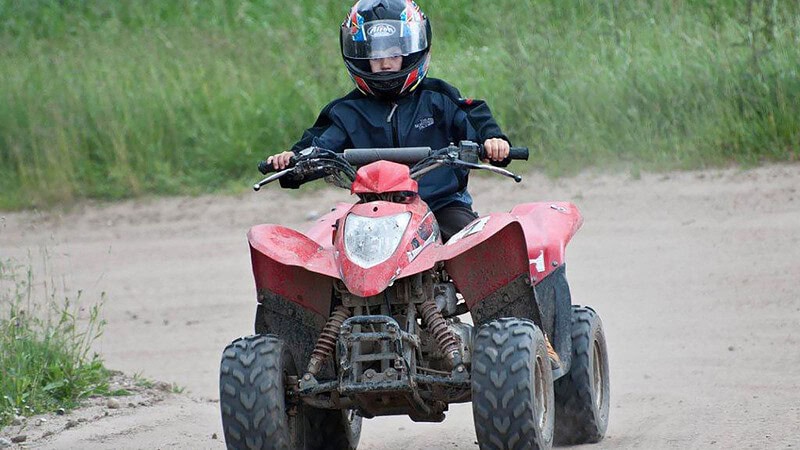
(479, 116)
(326, 132)
(473, 119)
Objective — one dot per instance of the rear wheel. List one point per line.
(253, 400)
(582, 395)
(333, 429)
(512, 386)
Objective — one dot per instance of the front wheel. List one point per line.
(512, 386)
(582, 395)
(256, 413)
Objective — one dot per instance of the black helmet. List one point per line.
(383, 29)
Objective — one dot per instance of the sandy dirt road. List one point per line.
(696, 276)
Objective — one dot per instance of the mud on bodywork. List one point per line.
(298, 327)
(489, 267)
(548, 305)
(516, 299)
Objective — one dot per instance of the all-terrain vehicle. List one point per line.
(370, 314)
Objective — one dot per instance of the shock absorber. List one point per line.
(326, 343)
(434, 321)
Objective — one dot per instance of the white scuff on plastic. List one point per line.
(475, 227)
(538, 261)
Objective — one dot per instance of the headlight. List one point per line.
(370, 241)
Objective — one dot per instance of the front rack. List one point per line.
(385, 381)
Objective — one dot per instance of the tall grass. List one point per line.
(45, 347)
(115, 99)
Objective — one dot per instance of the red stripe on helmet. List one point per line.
(410, 79)
(362, 85)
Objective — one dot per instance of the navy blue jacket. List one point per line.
(434, 116)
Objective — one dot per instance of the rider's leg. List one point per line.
(453, 218)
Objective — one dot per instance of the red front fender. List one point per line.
(490, 263)
(293, 266)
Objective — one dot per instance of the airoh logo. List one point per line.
(381, 30)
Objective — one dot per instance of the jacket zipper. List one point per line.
(393, 120)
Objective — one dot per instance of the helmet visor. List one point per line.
(383, 39)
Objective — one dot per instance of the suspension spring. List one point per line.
(434, 321)
(326, 343)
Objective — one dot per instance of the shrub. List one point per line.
(46, 360)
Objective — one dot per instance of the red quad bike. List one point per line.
(365, 315)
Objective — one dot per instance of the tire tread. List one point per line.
(503, 365)
(246, 401)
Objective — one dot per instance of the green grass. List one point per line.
(117, 99)
(140, 381)
(46, 361)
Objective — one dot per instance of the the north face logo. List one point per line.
(423, 123)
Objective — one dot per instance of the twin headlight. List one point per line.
(370, 241)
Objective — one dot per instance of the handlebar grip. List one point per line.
(513, 153)
(264, 167)
(518, 153)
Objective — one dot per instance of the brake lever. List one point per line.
(426, 169)
(271, 178)
(497, 170)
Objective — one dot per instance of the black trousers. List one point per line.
(453, 218)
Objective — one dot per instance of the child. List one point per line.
(386, 49)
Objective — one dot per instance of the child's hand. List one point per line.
(496, 149)
(281, 160)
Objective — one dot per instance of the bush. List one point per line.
(46, 361)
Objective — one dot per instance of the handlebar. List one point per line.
(402, 155)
